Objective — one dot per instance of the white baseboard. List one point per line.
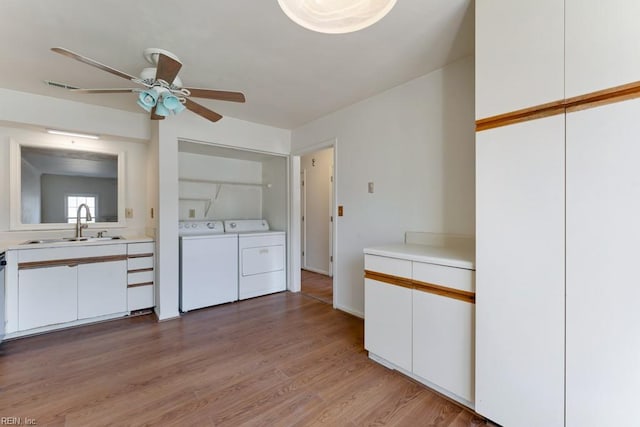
(350, 311)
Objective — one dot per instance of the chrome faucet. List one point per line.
(80, 226)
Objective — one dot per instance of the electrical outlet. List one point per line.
(128, 213)
(192, 213)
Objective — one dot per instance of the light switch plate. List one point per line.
(128, 213)
(192, 213)
(370, 186)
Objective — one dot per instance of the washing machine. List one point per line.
(261, 257)
(208, 264)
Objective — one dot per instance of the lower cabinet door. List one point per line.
(47, 296)
(102, 289)
(443, 342)
(387, 322)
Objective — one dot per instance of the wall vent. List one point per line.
(60, 85)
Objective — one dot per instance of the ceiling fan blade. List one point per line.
(168, 68)
(203, 111)
(216, 94)
(88, 61)
(155, 116)
(104, 90)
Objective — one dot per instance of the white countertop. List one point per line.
(462, 256)
(15, 245)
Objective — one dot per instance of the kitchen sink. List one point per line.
(73, 239)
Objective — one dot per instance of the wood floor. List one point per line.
(317, 286)
(280, 360)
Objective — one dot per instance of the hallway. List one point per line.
(317, 286)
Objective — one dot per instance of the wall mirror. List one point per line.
(48, 184)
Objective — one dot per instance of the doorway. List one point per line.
(316, 223)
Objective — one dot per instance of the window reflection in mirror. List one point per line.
(54, 181)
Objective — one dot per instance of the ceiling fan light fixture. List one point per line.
(170, 102)
(161, 110)
(336, 16)
(163, 92)
(148, 99)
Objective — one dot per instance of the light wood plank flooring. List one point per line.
(317, 286)
(280, 360)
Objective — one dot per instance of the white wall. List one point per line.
(274, 197)
(416, 143)
(229, 201)
(48, 112)
(317, 168)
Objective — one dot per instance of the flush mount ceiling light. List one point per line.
(336, 16)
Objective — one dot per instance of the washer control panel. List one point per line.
(200, 227)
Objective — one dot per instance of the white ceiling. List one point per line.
(289, 75)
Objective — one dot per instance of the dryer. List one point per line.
(262, 256)
(208, 264)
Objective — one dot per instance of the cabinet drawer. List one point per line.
(140, 248)
(450, 277)
(141, 277)
(140, 263)
(140, 297)
(392, 266)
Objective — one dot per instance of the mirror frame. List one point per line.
(15, 182)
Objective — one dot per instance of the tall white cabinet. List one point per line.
(558, 204)
(601, 44)
(519, 61)
(603, 287)
(520, 273)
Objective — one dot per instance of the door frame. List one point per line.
(296, 236)
(303, 218)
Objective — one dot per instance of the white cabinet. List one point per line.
(419, 317)
(66, 284)
(601, 44)
(388, 320)
(519, 54)
(443, 342)
(47, 296)
(101, 288)
(140, 276)
(603, 289)
(520, 273)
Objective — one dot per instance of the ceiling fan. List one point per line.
(162, 92)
